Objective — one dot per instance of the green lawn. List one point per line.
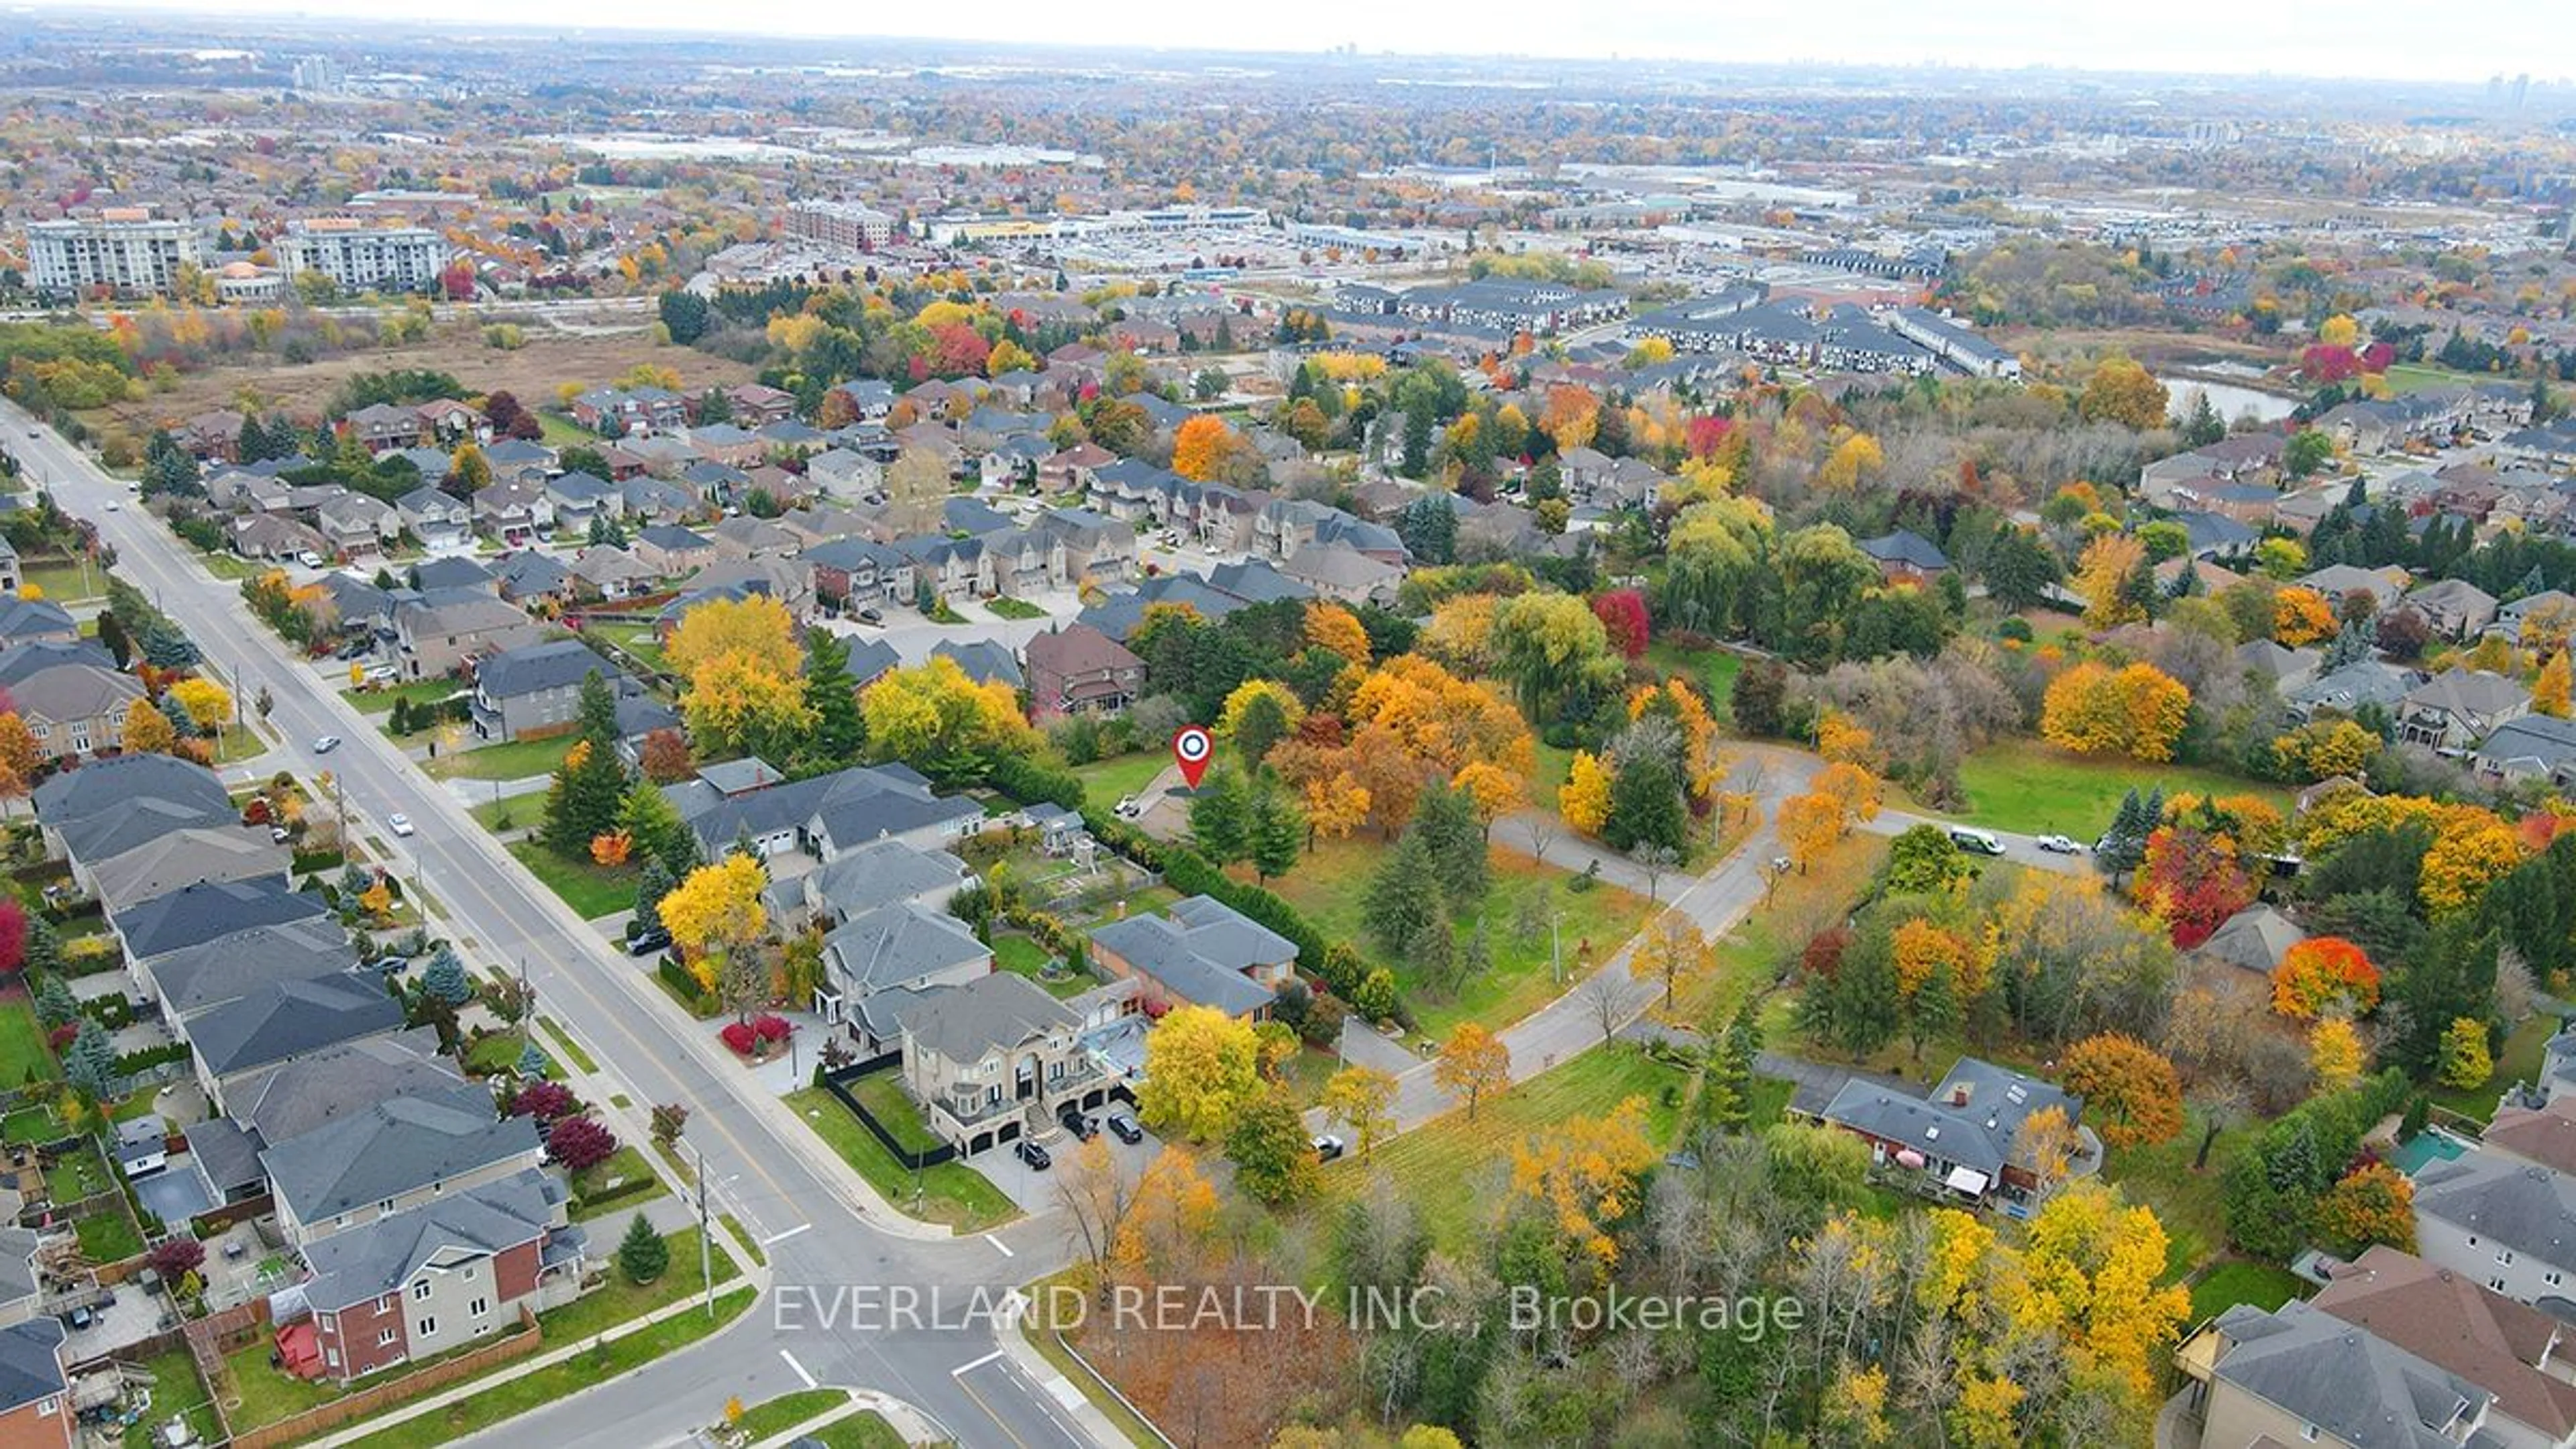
(1021, 956)
(499, 1052)
(267, 1394)
(635, 1185)
(419, 692)
(177, 1393)
(1715, 668)
(521, 811)
(561, 432)
(2518, 1062)
(1106, 782)
(1453, 1166)
(108, 1237)
(592, 890)
(560, 1380)
(635, 639)
(2031, 788)
(511, 760)
(2160, 1176)
(951, 1193)
(866, 1429)
(785, 1412)
(1329, 883)
(65, 582)
(570, 1048)
(83, 1174)
(23, 1056)
(1009, 608)
(30, 1124)
(883, 1096)
(615, 1300)
(2228, 1284)
(2405, 377)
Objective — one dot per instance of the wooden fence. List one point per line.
(377, 1398)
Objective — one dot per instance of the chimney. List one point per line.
(1959, 1094)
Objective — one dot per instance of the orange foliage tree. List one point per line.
(2132, 1082)
(2324, 973)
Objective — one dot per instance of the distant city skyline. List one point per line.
(2367, 39)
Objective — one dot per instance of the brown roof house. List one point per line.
(2509, 1349)
(1079, 670)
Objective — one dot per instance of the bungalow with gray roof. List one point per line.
(1964, 1136)
(1202, 953)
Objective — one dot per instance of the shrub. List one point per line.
(771, 1029)
(738, 1037)
(581, 1143)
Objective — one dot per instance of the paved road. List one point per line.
(824, 1228)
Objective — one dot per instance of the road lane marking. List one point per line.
(998, 1243)
(774, 1239)
(963, 1369)
(797, 1368)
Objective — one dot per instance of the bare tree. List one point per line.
(1095, 1196)
(1602, 997)
(1656, 861)
(1544, 828)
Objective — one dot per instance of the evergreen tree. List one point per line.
(445, 980)
(599, 712)
(1646, 804)
(653, 883)
(56, 1006)
(1429, 528)
(1403, 899)
(840, 732)
(1478, 958)
(2295, 1169)
(2123, 846)
(112, 638)
(532, 1062)
(90, 1063)
(44, 948)
(2204, 426)
(642, 1255)
(590, 785)
(1278, 829)
(659, 834)
(1445, 818)
(1221, 816)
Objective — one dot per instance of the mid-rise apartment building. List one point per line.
(123, 250)
(361, 257)
(845, 225)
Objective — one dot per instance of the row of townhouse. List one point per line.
(417, 1218)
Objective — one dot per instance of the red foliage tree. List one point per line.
(2377, 356)
(1824, 954)
(13, 936)
(2192, 883)
(1703, 436)
(545, 1101)
(1623, 613)
(957, 350)
(580, 1143)
(177, 1258)
(2322, 363)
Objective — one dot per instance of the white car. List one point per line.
(309, 559)
(115, 507)
(326, 744)
(1128, 809)
(2059, 845)
(399, 823)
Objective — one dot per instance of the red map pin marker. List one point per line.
(1192, 748)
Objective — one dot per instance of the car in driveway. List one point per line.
(1129, 808)
(2059, 845)
(326, 744)
(1083, 1127)
(1328, 1147)
(1032, 1154)
(399, 823)
(1124, 1128)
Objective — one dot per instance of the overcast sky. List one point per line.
(2397, 39)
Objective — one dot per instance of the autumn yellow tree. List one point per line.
(1855, 788)
(1203, 447)
(1673, 953)
(736, 704)
(1855, 458)
(757, 627)
(2464, 861)
(2137, 710)
(1584, 799)
(938, 719)
(715, 911)
(1494, 791)
(1202, 1067)
(147, 731)
(207, 703)
(1809, 825)
(2102, 578)
(2334, 1053)
(1585, 1172)
(2549, 692)
(2130, 1084)
(2301, 616)
(1471, 1063)
(1361, 1099)
(2120, 391)
(1330, 626)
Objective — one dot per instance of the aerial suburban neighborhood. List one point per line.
(740, 741)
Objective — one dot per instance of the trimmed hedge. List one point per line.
(1029, 782)
(145, 1060)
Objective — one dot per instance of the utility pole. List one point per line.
(706, 1237)
(1555, 949)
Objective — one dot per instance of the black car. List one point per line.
(1034, 1155)
(648, 943)
(1083, 1128)
(1124, 1128)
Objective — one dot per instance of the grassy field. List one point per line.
(625, 1177)
(894, 1111)
(108, 1237)
(785, 1412)
(2228, 1284)
(2405, 377)
(269, 1394)
(22, 1043)
(2186, 1202)
(1330, 881)
(1715, 668)
(2518, 1062)
(951, 1193)
(177, 1393)
(2033, 789)
(65, 582)
(1751, 956)
(500, 1052)
(1106, 782)
(635, 639)
(531, 372)
(1455, 1165)
(513, 760)
(1021, 956)
(593, 890)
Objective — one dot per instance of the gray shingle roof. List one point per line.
(899, 944)
(277, 1020)
(352, 1267)
(392, 1148)
(311, 1091)
(31, 1364)
(537, 667)
(219, 851)
(2531, 1210)
(983, 660)
(963, 1023)
(204, 912)
(210, 973)
(110, 834)
(880, 873)
(1200, 952)
(2353, 1384)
